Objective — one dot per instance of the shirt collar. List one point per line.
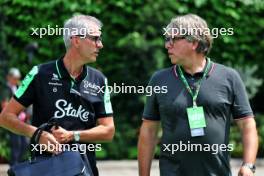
(63, 72)
(199, 74)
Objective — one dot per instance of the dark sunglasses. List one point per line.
(96, 39)
(173, 39)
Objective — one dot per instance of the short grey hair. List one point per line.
(14, 72)
(197, 30)
(75, 26)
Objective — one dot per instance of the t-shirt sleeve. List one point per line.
(103, 108)
(151, 111)
(241, 106)
(26, 92)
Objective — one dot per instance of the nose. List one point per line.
(167, 45)
(99, 44)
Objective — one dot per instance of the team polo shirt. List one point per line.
(75, 104)
(223, 97)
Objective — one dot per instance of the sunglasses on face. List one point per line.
(95, 39)
(171, 40)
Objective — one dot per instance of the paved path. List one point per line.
(129, 168)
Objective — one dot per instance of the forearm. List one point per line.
(250, 142)
(97, 134)
(146, 147)
(145, 155)
(10, 122)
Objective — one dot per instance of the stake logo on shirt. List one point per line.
(90, 85)
(66, 109)
(90, 88)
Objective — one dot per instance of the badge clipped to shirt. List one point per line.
(196, 120)
(195, 114)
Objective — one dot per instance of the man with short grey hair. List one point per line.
(77, 25)
(66, 91)
(195, 114)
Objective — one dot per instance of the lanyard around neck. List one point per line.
(194, 94)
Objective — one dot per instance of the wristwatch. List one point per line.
(251, 166)
(76, 136)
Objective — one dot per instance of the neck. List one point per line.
(72, 64)
(194, 65)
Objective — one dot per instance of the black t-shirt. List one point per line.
(223, 97)
(75, 104)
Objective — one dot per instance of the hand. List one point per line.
(244, 171)
(62, 135)
(49, 143)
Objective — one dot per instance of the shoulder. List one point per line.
(227, 71)
(163, 73)
(95, 73)
(42, 69)
(161, 76)
(47, 68)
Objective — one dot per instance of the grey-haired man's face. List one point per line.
(89, 45)
(13, 80)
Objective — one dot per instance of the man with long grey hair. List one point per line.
(66, 90)
(195, 114)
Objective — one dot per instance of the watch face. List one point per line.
(252, 167)
(76, 136)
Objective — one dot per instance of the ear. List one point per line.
(75, 42)
(195, 45)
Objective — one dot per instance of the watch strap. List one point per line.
(250, 166)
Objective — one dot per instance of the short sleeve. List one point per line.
(26, 91)
(151, 111)
(241, 107)
(103, 108)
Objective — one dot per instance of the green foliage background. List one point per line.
(134, 46)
